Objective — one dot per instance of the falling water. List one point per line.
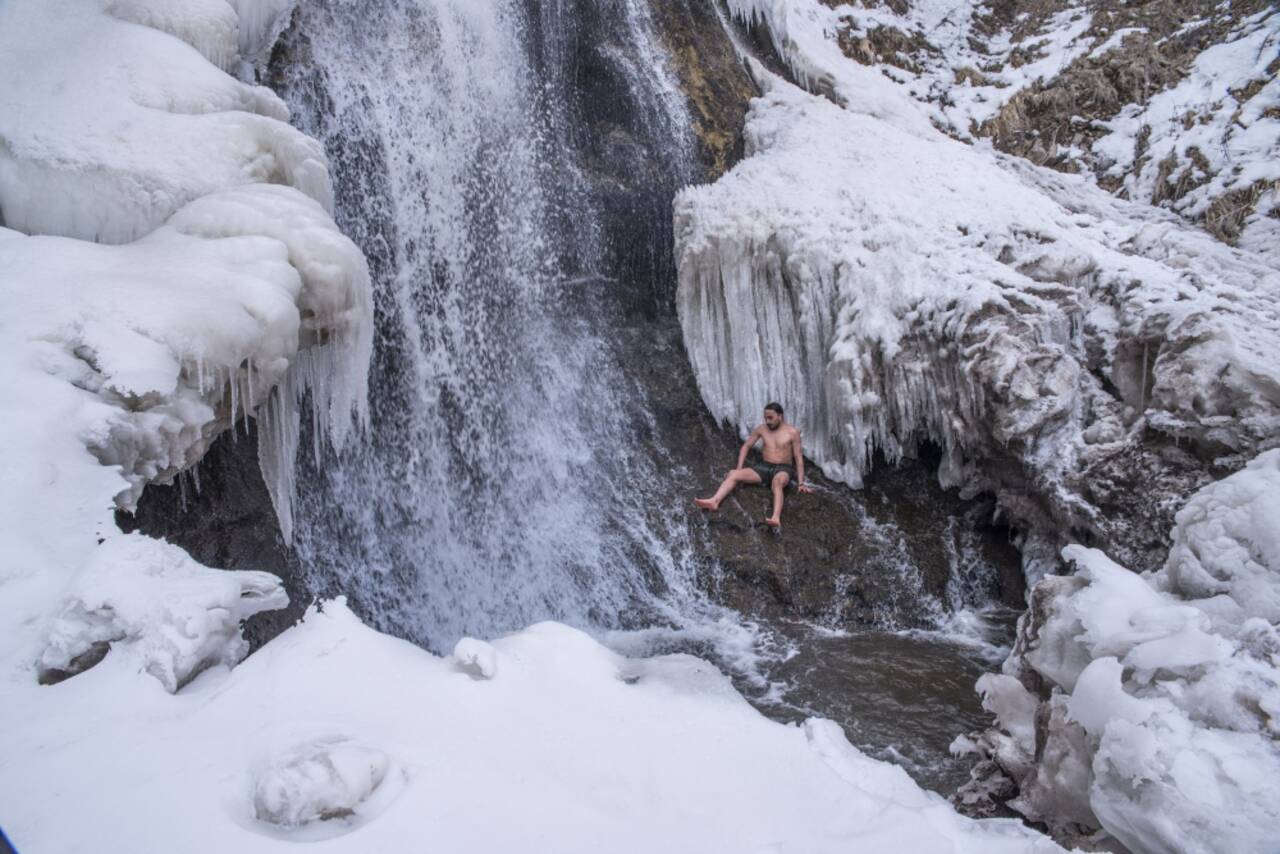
(501, 482)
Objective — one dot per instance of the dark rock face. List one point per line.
(712, 77)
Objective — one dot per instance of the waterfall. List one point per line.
(502, 480)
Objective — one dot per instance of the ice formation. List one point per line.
(1149, 706)
(235, 296)
(893, 286)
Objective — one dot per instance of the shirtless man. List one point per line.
(783, 464)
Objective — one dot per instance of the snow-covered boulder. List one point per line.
(149, 600)
(326, 780)
(1149, 706)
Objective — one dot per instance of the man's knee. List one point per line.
(781, 480)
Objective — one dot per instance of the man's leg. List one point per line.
(731, 482)
(780, 481)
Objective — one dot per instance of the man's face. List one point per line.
(772, 419)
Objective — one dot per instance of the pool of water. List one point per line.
(900, 696)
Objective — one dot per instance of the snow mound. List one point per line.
(475, 657)
(318, 782)
(151, 601)
(558, 750)
(891, 286)
(1148, 706)
(131, 123)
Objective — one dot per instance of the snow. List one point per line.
(1168, 741)
(1207, 148)
(131, 124)
(804, 35)
(1207, 130)
(557, 752)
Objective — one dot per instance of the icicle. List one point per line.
(1142, 397)
(233, 383)
(248, 379)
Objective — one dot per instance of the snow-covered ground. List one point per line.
(220, 288)
(1149, 705)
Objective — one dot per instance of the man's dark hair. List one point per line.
(776, 407)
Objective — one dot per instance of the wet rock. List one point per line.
(711, 76)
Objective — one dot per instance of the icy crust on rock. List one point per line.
(124, 361)
(130, 123)
(1149, 705)
(372, 744)
(891, 286)
(240, 301)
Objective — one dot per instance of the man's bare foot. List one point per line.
(706, 503)
(773, 523)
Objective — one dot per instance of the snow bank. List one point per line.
(890, 285)
(1149, 706)
(125, 361)
(370, 742)
(130, 124)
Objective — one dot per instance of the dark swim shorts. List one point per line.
(768, 471)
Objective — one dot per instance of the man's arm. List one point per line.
(799, 452)
(747, 446)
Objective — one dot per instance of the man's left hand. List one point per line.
(804, 487)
